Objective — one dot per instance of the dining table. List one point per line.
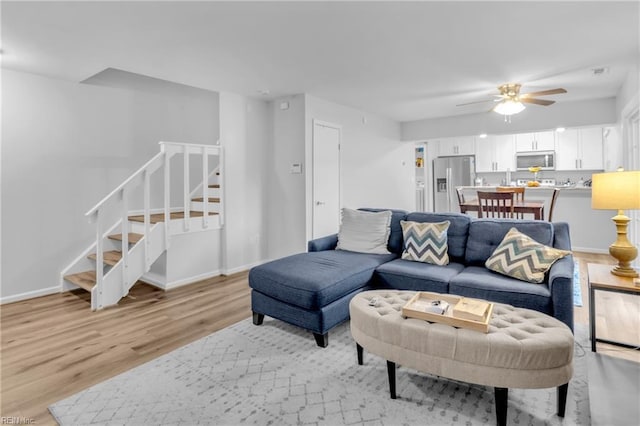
(534, 207)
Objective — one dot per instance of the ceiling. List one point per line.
(402, 60)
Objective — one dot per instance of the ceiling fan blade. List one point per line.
(476, 102)
(537, 101)
(543, 93)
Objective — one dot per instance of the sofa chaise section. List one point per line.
(312, 290)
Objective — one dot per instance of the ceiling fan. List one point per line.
(510, 101)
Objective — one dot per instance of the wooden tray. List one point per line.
(411, 310)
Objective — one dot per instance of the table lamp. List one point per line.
(618, 191)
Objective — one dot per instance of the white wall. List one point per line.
(65, 146)
(377, 170)
(286, 191)
(628, 93)
(244, 135)
(561, 114)
(191, 257)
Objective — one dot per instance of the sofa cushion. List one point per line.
(521, 257)
(395, 244)
(425, 242)
(481, 283)
(485, 235)
(364, 232)
(406, 275)
(313, 280)
(456, 234)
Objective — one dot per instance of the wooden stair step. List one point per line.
(110, 257)
(85, 280)
(210, 199)
(159, 217)
(133, 237)
(214, 185)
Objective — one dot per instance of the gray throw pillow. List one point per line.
(364, 232)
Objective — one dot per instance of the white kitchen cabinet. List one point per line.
(539, 141)
(456, 146)
(580, 149)
(496, 153)
(591, 148)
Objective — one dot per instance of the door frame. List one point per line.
(631, 153)
(337, 127)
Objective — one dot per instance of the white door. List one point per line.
(326, 178)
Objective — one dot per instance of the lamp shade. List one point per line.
(616, 190)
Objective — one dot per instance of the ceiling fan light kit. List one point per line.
(509, 107)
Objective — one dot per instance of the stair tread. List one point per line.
(214, 185)
(159, 217)
(133, 237)
(110, 257)
(211, 199)
(85, 280)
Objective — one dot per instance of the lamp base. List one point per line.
(622, 250)
(625, 272)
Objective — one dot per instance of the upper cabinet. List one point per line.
(496, 153)
(456, 146)
(539, 141)
(580, 149)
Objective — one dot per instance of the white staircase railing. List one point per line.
(109, 288)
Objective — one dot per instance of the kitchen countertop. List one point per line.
(564, 188)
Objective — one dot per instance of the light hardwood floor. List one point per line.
(54, 346)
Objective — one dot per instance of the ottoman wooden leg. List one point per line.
(391, 372)
(501, 395)
(562, 398)
(258, 318)
(322, 339)
(360, 355)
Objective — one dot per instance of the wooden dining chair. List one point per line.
(518, 195)
(495, 204)
(556, 192)
(460, 195)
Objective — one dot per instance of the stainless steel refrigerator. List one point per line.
(449, 173)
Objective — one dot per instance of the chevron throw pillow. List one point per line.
(425, 242)
(520, 256)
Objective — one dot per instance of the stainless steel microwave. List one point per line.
(546, 160)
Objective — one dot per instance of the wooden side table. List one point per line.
(601, 278)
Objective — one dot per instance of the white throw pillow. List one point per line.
(364, 232)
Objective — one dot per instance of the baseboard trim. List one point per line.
(242, 268)
(30, 295)
(159, 281)
(590, 250)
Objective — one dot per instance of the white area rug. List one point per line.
(275, 374)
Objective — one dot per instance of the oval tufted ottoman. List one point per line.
(523, 348)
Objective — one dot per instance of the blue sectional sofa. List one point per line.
(312, 290)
